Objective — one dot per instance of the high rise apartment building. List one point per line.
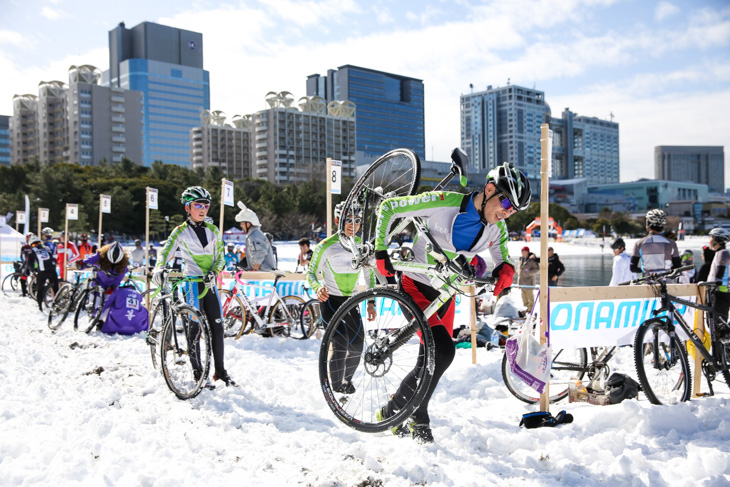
(585, 147)
(226, 146)
(4, 140)
(691, 164)
(390, 108)
(292, 144)
(165, 64)
(503, 124)
(79, 122)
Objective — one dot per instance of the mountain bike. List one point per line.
(67, 299)
(660, 354)
(179, 337)
(399, 340)
(269, 314)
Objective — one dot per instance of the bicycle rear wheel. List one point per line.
(380, 358)
(89, 309)
(567, 364)
(11, 284)
(185, 352)
(661, 363)
(311, 317)
(234, 313)
(60, 307)
(32, 287)
(396, 173)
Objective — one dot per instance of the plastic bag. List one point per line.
(527, 359)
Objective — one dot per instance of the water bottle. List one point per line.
(495, 338)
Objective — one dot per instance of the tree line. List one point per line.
(286, 211)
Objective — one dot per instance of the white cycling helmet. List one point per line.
(720, 235)
(47, 231)
(247, 215)
(355, 209)
(656, 219)
(115, 253)
(34, 240)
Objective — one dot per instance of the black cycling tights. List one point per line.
(444, 355)
(211, 308)
(347, 342)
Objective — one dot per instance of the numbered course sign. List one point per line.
(336, 177)
(43, 215)
(106, 203)
(72, 212)
(228, 193)
(152, 200)
(21, 218)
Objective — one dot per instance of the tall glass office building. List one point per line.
(389, 108)
(4, 140)
(166, 65)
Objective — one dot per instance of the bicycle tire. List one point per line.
(32, 287)
(672, 382)
(294, 306)
(154, 330)
(185, 352)
(10, 284)
(397, 173)
(60, 308)
(567, 364)
(381, 369)
(88, 310)
(49, 296)
(234, 316)
(310, 318)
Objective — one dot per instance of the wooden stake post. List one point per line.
(72, 213)
(151, 204)
(105, 206)
(328, 171)
(545, 159)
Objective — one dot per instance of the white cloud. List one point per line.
(383, 15)
(51, 13)
(15, 39)
(664, 10)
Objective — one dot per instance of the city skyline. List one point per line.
(663, 71)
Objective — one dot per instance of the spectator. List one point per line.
(621, 264)
(273, 248)
(305, 253)
(66, 253)
(528, 271)
(47, 236)
(85, 248)
(707, 255)
(719, 272)
(555, 267)
(138, 254)
(259, 254)
(655, 252)
(687, 259)
(231, 257)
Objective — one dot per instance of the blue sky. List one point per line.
(661, 67)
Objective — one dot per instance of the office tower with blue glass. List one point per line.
(166, 65)
(4, 140)
(389, 111)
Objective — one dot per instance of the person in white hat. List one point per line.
(259, 254)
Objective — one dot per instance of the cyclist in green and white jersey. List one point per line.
(338, 283)
(199, 243)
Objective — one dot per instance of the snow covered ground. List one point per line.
(82, 409)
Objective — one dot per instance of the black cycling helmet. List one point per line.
(512, 183)
(620, 387)
(115, 253)
(195, 193)
(618, 244)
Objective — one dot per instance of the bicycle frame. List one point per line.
(273, 299)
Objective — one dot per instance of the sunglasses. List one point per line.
(200, 206)
(505, 202)
(353, 220)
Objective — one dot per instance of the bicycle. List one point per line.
(179, 337)
(11, 282)
(66, 300)
(310, 319)
(267, 315)
(660, 356)
(399, 340)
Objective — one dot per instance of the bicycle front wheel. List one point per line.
(285, 314)
(234, 313)
(661, 363)
(89, 309)
(567, 364)
(310, 318)
(60, 307)
(394, 174)
(185, 352)
(363, 363)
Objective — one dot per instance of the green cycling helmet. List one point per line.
(195, 193)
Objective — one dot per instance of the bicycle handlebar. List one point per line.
(655, 276)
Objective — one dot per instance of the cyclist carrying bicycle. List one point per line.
(719, 272)
(199, 242)
(459, 223)
(338, 283)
